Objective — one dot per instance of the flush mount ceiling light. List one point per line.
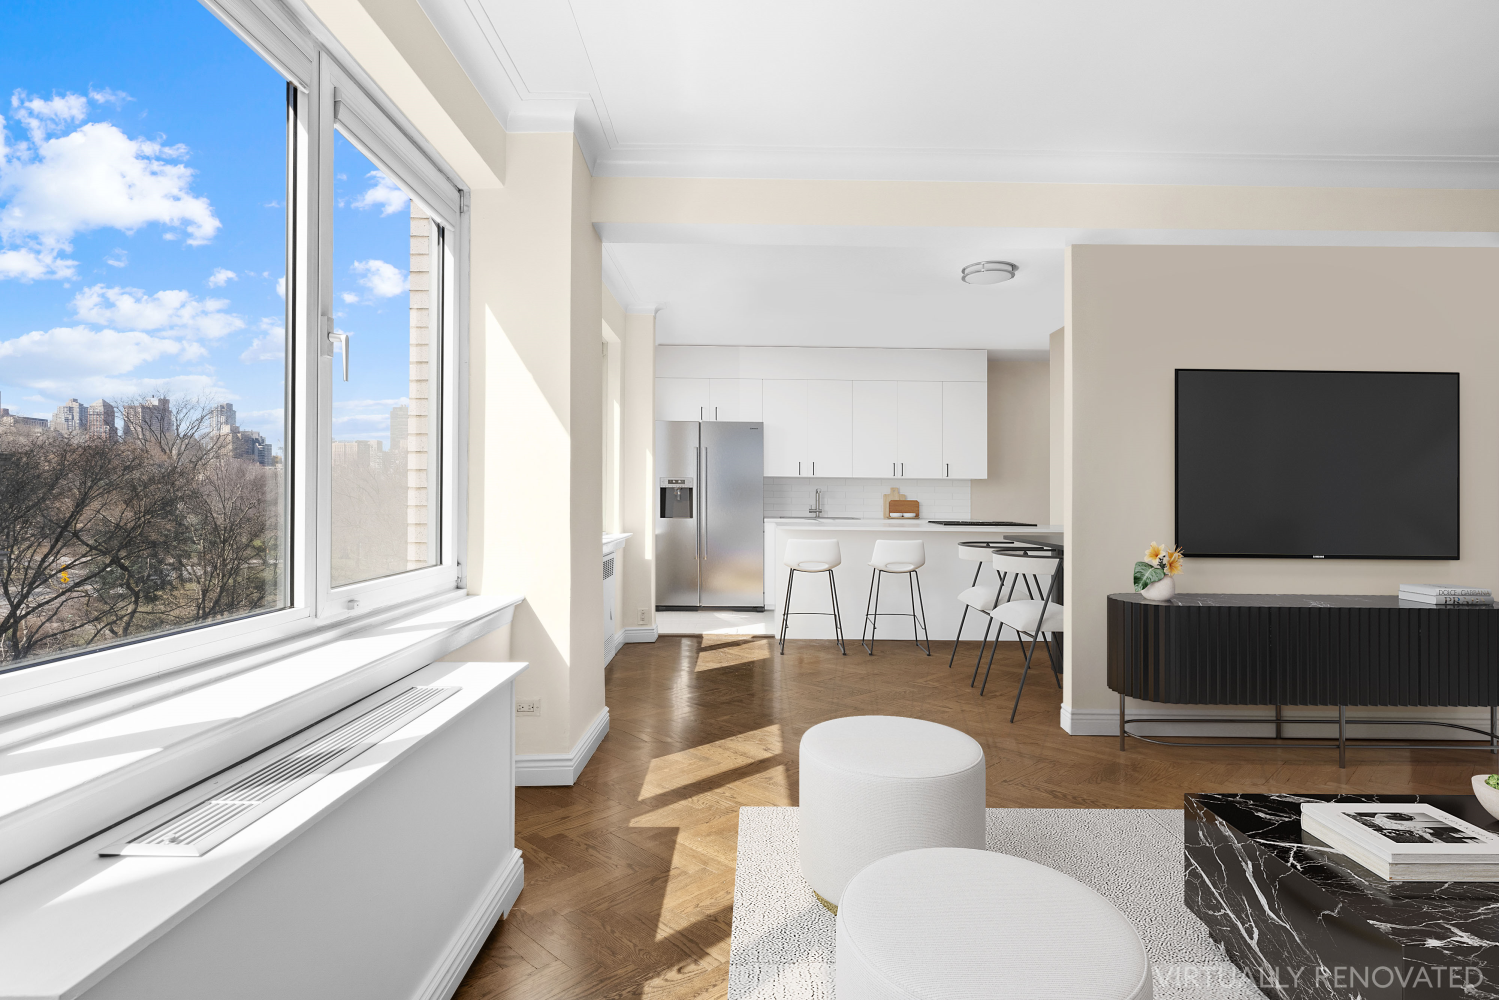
(989, 272)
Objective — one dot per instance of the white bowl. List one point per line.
(1487, 797)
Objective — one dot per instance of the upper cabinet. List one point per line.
(683, 399)
(965, 430)
(734, 399)
(840, 412)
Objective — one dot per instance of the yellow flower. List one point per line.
(1174, 561)
(1154, 552)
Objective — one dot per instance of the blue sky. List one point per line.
(142, 227)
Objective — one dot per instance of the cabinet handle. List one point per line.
(947, 468)
(798, 468)
(814, 468)
(715, 413)
(892, 468)
(903, 468)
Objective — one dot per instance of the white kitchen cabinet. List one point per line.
(783, 411)
(919, 430)
(875, 453)
(734, 399)
(683, 399)
(829, 431)
(965, 430)
(808, 427)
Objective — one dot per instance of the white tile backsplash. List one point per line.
(941, 499)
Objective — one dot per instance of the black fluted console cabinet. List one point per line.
(1293, 649)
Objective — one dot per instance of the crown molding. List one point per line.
(1049, 166)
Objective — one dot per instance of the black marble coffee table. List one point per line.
(1303, 921)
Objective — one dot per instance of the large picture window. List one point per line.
(193, 250)
(142, 328)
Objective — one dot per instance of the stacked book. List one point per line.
(1442, 594)
(1405, 841)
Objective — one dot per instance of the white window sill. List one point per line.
(65, 786)
(68, 923)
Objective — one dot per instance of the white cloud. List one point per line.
(384, 194)
(117, 257)
(349, 298)
(271, 346)
(220, 277)
(55, 186)
(382, 279)
(175, 312)
(40, 117)
(57, 358)
(104, 95)
(281, 286)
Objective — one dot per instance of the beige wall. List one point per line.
(638, 471)
(612, 389)
(1019, 483)
(1134, 314)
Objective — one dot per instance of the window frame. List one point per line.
(318, 70)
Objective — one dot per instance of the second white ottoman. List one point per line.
(876, 785)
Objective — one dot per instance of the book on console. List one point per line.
(1405, 841)
(1443, 590)
(1445, 601)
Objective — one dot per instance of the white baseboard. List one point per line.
(640, 633)
(1105, 722)
(498, 897)
(611, 646)
(562, 768)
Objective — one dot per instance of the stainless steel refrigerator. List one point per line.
(710, 514)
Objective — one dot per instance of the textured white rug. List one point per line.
(782, 947)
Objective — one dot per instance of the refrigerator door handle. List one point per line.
(702, 489)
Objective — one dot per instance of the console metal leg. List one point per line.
(1494, 729)
(1342, 736)
(1121, 722)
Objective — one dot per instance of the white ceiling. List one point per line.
(1357, 92)
(1318, 92)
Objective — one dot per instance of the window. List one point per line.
(193, 248)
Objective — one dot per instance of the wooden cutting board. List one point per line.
(912, 507)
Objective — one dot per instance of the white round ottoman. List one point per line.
(962, 925)
(874, 785)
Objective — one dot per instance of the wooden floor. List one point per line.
(630, 873)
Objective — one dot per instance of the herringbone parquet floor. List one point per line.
(630, 873)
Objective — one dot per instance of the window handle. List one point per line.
(341, 341)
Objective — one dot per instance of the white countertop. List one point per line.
(904, 524)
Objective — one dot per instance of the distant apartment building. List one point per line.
(70, 419)
(101, 421)
(223, 416)
(14, 423)
(150, 420)
(360, 454)
(400, 420)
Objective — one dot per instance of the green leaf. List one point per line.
(1492, 781)
(1146, 574)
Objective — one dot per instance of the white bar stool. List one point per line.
(812, 555)
(906, 558)
(1037, 619)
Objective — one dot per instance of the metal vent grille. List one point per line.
(608, 567)
(203, 826)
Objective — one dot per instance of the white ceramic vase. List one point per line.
(1487, 797)
(1162, 590)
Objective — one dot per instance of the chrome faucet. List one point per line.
(816, 509)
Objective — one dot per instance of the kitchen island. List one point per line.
(943, 577)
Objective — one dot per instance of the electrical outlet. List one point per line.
(528, 706)
(642, 617)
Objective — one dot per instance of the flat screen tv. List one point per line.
(1317, 465)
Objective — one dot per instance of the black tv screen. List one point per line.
(1320, 465)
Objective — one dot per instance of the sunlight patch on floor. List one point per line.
(701, 762)
(733, 650)
(715, 622)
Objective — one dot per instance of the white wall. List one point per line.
(638, 473)
(1019, 483)
(1137, 313)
